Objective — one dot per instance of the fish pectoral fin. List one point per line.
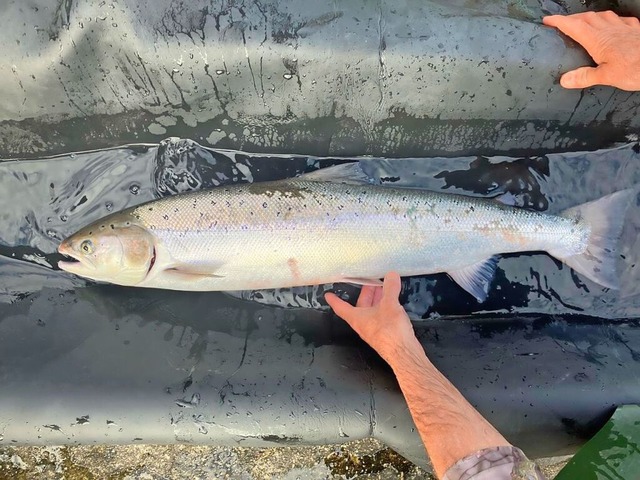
(193, 271)
(376, 282)
(350, 173)
(476, 279)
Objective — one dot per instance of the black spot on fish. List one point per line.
(165, 216)
(113, 227)
(264, 205)
(151, 209)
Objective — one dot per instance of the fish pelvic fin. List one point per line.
(476, 279)
(605, 217)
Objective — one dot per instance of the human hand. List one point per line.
(612, 41)
(378, 317)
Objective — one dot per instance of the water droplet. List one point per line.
(114, 24)
(108, 206)
(134, 188)
(219, 72)
(287, 76)
(64, 218)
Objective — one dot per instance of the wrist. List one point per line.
(407, 354)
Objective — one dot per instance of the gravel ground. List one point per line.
(356, 460)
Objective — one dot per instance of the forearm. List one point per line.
(450, 427)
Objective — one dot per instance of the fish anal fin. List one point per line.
(376, 282)
(476, 279)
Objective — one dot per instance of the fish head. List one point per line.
(116, 250)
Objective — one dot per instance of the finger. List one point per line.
(575, 28)
(367, 294)
(341, 308)
(595, 19)
(378, 296)
(583, 77)
(608, 17)
(552, 20)
(392, 287)
(631, 21)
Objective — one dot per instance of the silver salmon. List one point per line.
(303, 231)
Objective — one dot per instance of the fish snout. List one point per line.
(65, 247)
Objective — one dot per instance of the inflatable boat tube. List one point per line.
(464, 97)
(350, 77)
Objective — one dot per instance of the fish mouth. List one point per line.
(73, 263)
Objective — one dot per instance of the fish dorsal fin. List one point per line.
(476, 279)
(350, 173)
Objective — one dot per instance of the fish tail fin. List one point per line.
(606, 217)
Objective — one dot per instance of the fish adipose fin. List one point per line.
(476, 279)
(606, 218)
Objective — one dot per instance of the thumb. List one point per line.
(583, 77)
(340, 307)
(392, 287)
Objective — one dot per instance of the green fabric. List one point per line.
(613, 452)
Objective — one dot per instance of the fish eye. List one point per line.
(87, 246)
